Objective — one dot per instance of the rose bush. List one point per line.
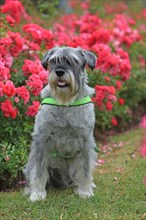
(118, 79)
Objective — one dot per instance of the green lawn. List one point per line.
(119, 194)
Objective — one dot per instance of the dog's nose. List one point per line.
(60, 72)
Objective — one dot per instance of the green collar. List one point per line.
(56, 154)
(52, 101)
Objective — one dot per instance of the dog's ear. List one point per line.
(90, 59)
(46, 57)
(44, 61)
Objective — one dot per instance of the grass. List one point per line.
(119, 194)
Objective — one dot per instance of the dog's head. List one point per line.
(66, 71)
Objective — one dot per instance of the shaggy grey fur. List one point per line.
(67, 130)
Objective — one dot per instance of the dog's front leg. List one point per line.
(36, 174)
(83, 176)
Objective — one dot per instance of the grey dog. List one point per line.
(63, 147)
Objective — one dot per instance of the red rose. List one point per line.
(8, 110)
(10, 20)
(114, 121)
(121, 101)
(33, 109)
(23, 93)
(118, 84)
(9, 89)
(109, 106)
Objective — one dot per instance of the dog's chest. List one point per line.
(76, 118)
(66, 121)
(66, 129)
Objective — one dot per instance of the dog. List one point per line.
(63, 148)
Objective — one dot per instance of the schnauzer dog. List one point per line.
(63, 147)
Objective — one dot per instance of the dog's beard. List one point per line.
(64, 89)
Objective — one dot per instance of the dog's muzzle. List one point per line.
(60, 81)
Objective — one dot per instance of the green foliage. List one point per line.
(14, 129)
(46, 10)
(134, 90)
(135, 87)
(12, 160)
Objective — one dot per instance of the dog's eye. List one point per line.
(52, 61)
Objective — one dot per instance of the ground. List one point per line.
(119, 194)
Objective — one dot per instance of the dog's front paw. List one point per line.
(84, 194)
(37, 195)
